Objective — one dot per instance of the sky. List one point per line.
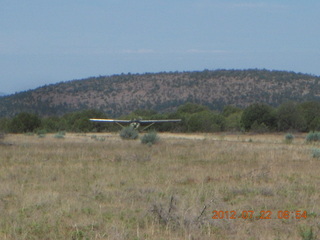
(45, 42)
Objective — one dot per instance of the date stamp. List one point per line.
(264, 214)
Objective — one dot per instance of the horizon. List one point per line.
(50, 42)
(117, 74)
(4, 94)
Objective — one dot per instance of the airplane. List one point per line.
(135, 123)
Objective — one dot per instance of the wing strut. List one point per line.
(148, 126)
(119, 124)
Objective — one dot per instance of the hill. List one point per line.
(121, 94)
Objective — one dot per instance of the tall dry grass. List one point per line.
(80, 188)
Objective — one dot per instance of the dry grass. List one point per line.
(81, 188)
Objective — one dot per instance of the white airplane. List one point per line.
(135, 123)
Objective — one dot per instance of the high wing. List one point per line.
(160, 121)
(109, 120)
(130, 121)
(135, 123)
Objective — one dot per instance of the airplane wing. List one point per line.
(160, 121)
(109, 120)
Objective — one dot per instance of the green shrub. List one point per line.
(29, 134)
(289, 138)
(313, 137)
(60, 135)
(316, 152)
(41, 131)
(306, 233)
(100, 139)
(129, 133)
(258, 117)
(206, 121)
(24, 122)
(150, 138)
(259, 128)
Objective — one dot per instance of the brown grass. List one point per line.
(81, 188)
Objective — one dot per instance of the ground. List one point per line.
(98, 186)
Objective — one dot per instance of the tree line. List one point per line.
(258, 117)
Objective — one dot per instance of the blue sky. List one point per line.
(45, 41)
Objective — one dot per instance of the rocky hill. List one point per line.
(121, 94)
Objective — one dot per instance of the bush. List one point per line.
(290, 117)
(42, 131)
(316, 153)
(233, 122)
(289, 138)
(313, 137)
(60, 135)
(150, 138)
(129, 133)
(259, 128)
(306, 233)
(100, 139)
(262, 115)
(206, 121)
(24, 122)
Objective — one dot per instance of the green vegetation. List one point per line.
(307, 233)
(290, 116)
(129, 133)
(150, 138)
(60, 135)
(316, 153)
(258, 118)
(163, 92)
(313, 137)
(24, 122)
(289, 138)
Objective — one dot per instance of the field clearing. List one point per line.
(97, 186)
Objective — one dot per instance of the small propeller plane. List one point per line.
(135, 123)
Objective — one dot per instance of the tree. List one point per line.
(206, 121)
(311, 113)
(24, 122)
(290, 117)
(191, 108)
(233, 121)
(144, 113)
(230, 109)
(79, 121)
(4, 124)
(52, 124)
(258, 113)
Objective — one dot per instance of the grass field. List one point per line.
(102, 187)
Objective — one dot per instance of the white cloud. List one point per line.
(137, 51)
(196, 51)
(249, 5)
(257, 5)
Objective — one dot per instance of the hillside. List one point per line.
(121, 94)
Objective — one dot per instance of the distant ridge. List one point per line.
(121, 94)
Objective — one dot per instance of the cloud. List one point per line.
(137, 51)
(249, 5)
(257, 5)
(199, 51)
